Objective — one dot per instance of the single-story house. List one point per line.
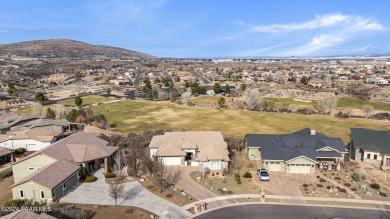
(298, 152)
(5, 156)
(45, 175)
(10, 120)
(30, 139)
(371, 146)
(206, 149)
(23, 214)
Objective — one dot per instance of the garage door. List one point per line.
(299, 168)
(275, 166)
(171, 161)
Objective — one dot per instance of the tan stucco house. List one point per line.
(45, 175)
(298, 152)
(372, 146)
(206, 149)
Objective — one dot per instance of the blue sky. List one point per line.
(206, 28)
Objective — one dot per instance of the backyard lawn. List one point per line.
(138, 115)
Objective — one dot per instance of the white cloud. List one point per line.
(322, 21)
(319, 42)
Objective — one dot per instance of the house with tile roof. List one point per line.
(29, 139)
(9, 120)
(298, 152)
(370, 146)
(45, 175)
(206, 149)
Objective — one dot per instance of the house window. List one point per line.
(375, 157)
(308, 165)
(277, 162)
(272, 162)
(266, 162)
(31, 168)
(42, 194)
(64, 185)
(21, 194)
(288, 165)
(368, 156)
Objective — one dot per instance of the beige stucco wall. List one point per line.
(21, 170)
(266, 164)
(379, 155)
(253, 154)
(31, 191)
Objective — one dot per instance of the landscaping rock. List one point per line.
(224, 189)
(212, 188)
(174, 189)
(141, 180)
(151, 216)
(198, 178)
(183, 193)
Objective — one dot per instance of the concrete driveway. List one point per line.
(96, 193)
(193, 188)
(287, 184)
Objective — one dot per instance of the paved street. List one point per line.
(275, 211)
(96, 193)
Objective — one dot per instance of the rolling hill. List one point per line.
(64, 49)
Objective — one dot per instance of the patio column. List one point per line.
(85, 169)
(107, 164)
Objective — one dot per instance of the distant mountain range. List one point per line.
(63, 48)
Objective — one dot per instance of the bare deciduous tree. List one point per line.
(349, 111)
(262, 104)
(116, 189)
(235, 161)
(368, 110)
(327, 104)
(293, 108)
(278, 106)
(60, 112)
(37, 109)
(118, 164)
(186, 97)
(162, 173)
(238, 104)
(308, 109)
(251, 99)
(136, 152)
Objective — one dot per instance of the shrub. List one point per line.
(222, 192)
(322, 180)
(347, 184)
(19, 151)
(91, 179)
(383, 193)
(150, 187)
(169, 195)
(6, 173)
(238, 181)
(129, 210)
(247, 175)
(337, 178)
(342, 190)
(14, 203)
(320, 185)
(354, 189)
(229, 192)
(375, 186)
(109, 175)
(305, 185)
(328, 187)
(318, 177)
(219, 190)
(236, 175)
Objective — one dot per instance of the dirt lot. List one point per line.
(5, 191)
(105, 212)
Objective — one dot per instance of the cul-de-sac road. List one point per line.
(277, 211)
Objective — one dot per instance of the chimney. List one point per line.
(312, 132)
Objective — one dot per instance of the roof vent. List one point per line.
(312, 132)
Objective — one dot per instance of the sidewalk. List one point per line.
(300, 198)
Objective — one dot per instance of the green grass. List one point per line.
(343, 102)
(137, 116)
(348, 102)
(87, 100)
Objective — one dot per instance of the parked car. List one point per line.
(263, 174)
